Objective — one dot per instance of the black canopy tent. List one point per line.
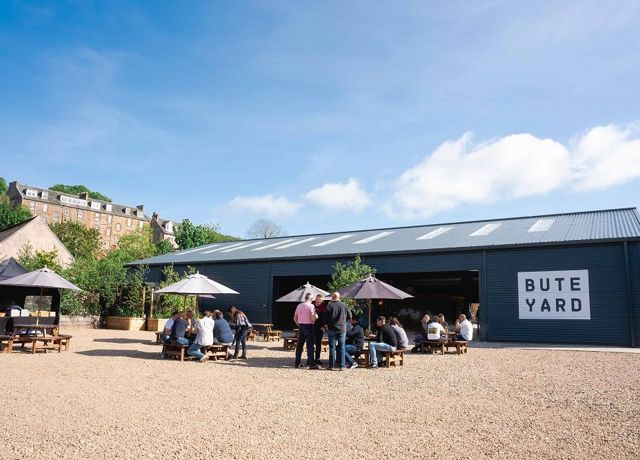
(11, 268)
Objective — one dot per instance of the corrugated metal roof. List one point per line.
(605, 225)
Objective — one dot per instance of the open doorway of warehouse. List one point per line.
(449, 293)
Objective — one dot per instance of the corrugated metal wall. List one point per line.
(610, 315)
(609, 309)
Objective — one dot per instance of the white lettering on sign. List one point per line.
(554, 295)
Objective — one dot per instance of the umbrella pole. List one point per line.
(369, 323)
(39, 306)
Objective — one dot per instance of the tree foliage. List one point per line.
(78, 189)
(35, 260)
(3, 186)
(189, 235)
(168, 303)
(265, 228)
(81, 241)
(10, 215)
(345, 274)
(163, 247)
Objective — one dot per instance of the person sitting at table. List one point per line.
(422, 335)
(442, 322)
(179, 330)
(166, 332)
(242, 325)
(435, 331)
(354, 342)
(222, 333)
(401, 335)
(204, 336)
(464, 328)
(385, 341)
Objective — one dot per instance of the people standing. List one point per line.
(385, 341)
(241, 325)
(204, 336)
(318, 327)
(354, 342)
(335, 320)
(305, 317)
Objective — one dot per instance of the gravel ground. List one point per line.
(113, 398)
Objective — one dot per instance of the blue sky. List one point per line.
(326, 116)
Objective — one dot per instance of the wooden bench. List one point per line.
(431, 346)
(252, 335)
(394, 357)
(289, 343)
(159, 336)
(48, 343)
(64, 340)
(218, 351)
(8, 343)
(175, 350)
(460, 346)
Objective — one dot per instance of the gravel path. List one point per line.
(113, 398)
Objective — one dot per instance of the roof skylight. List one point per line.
(486, 229)
(220, 248)
(332, 240)
(196, 249)
(242, 247)
(373, 238)
(432, 234)
(295, 243)
(272, 245)
(542, 225)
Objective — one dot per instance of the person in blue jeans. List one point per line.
(335, 321)
(385, 341)
(179, 330)
(354, 342)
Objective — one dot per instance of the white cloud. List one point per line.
(606, 156)
(268, 205)
(460, 172)
(340, 196)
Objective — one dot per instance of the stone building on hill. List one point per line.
(112, 220)
(163, 229)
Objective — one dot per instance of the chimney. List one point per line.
(154, 215)
(140, 207)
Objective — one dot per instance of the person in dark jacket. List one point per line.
(335, 322)
(222, 333)
(385, 341)
(179, 329)
(319, 327)
(354, 342)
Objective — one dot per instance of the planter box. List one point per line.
(155, 324)
(124, 323)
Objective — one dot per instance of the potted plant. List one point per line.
(128, 313)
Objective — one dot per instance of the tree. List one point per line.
(3, 186)
(10, 215)
(163, 247)
(35, 260)
(78, 189)
(265, 228)
(81, 241)
(345, 274)
(191, 236)
(169, 303)
(136, 245)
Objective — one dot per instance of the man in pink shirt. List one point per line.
(305, 316)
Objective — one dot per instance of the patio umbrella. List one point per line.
(196, 285)
(299, 294)
(42, 278)
(372, 288)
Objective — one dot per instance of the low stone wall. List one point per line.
(79, 321)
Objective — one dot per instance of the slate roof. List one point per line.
(579, 227)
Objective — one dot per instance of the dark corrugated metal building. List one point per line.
(565, 278)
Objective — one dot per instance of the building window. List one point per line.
(66, 212)
(129, 222)
(116, 239)
(96, 218)
(80, 213)
(140, 224)
(95, 205)
(45, 207)
(108, 207)
(32, 205)
(32, 193)
(118, 227)
(56, 216)
(108, 231)
(169, 227)
(127, 211)
(97, 225)
(109, 218)
(45, 195)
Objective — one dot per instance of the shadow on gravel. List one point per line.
(125, 341)
(122, 353)
(263, 362)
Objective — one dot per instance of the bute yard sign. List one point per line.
(554, 295)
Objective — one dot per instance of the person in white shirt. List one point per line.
(166, 332)
(204, 336)
(464, 328)
(435, 331)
